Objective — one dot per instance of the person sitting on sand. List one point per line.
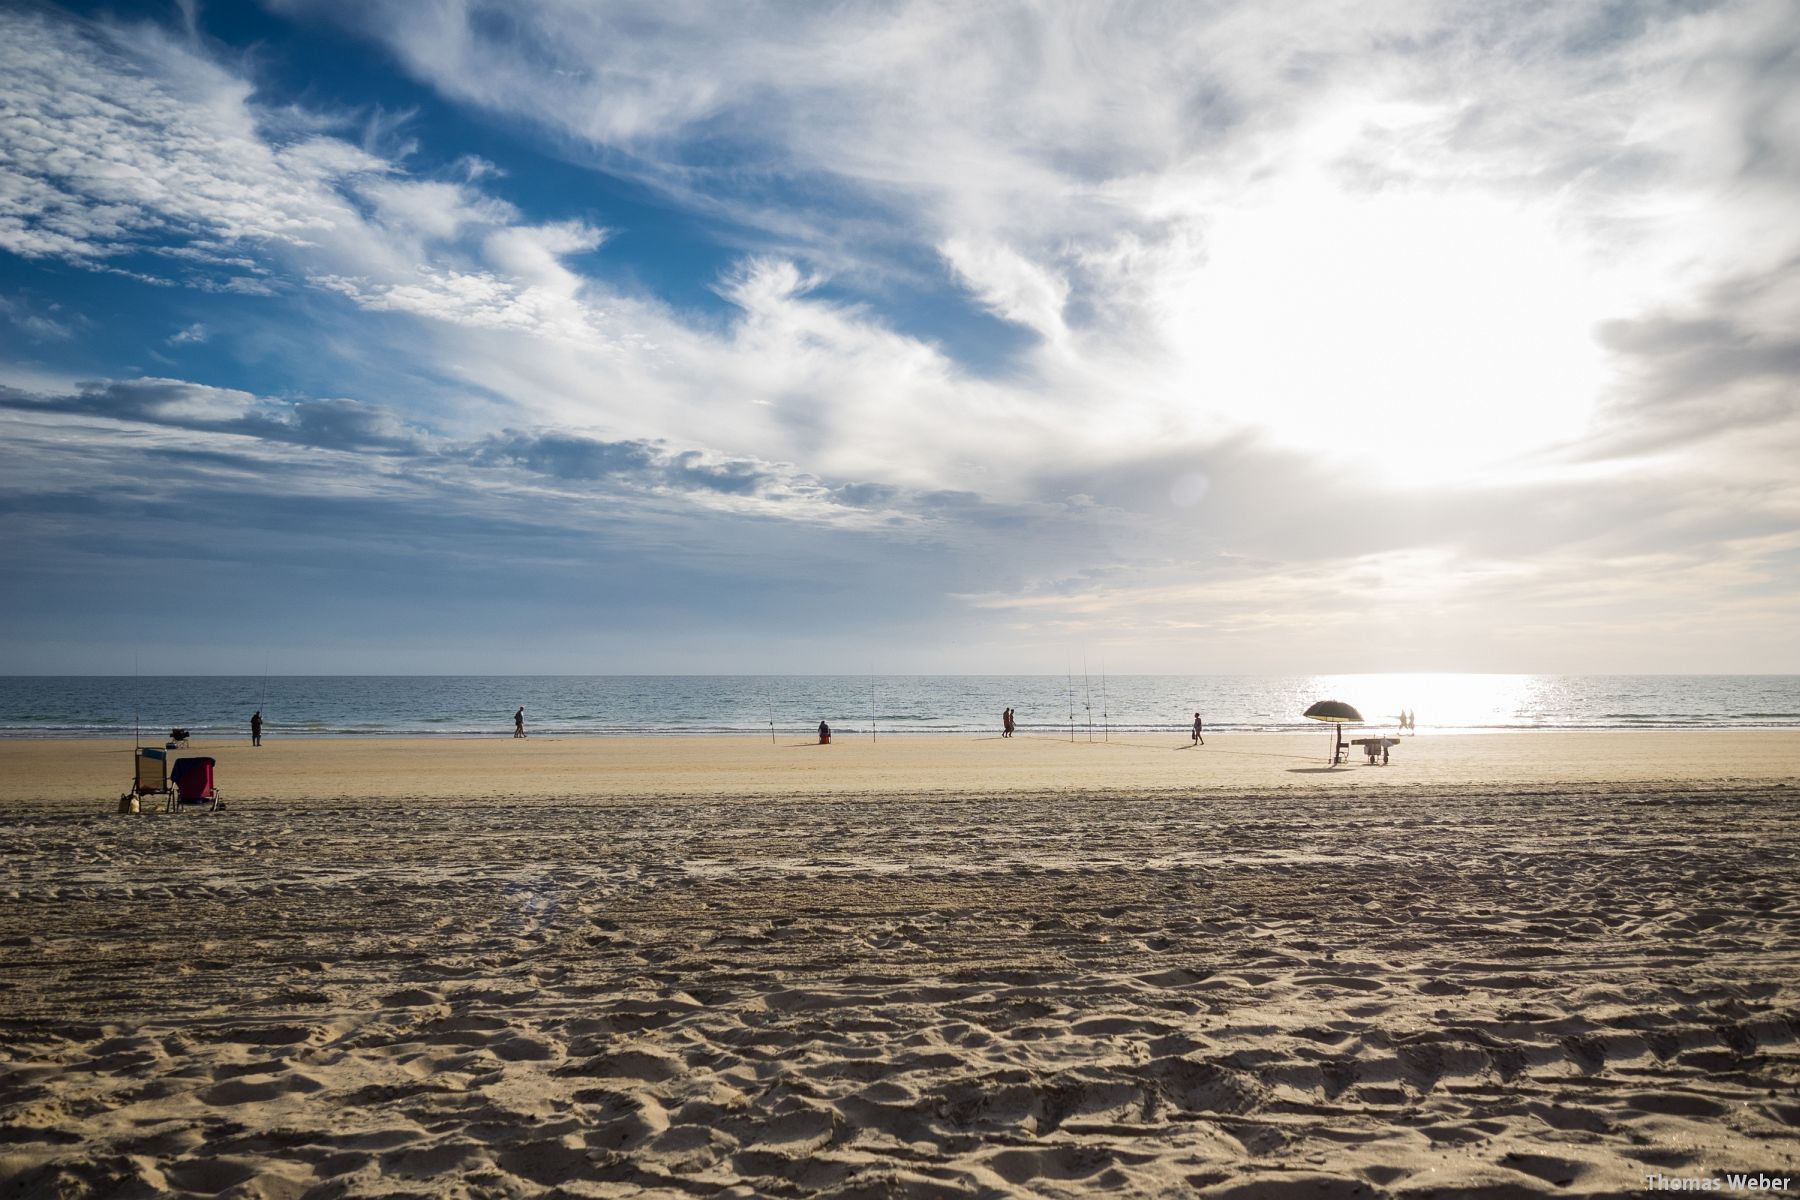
(256, 728)
(824, 734)
(519, 722)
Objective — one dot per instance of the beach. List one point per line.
(1504, 965)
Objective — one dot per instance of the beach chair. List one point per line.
(149, 777)
(192, 780)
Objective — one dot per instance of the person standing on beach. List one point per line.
(256, 728)
(519, 722)
(1006, 723)
(824, 734)
(1199, 729)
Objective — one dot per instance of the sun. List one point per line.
(1422, 336)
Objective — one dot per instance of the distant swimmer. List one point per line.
(256, 728)
(519, 722)
(1199, 731)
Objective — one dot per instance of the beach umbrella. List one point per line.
(1337, 714)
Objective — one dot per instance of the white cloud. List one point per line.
(119, 140)
(1010, 285)
(1455, 247)
(1222, 218)
(37, 325)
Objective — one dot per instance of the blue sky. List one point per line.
(608, 337)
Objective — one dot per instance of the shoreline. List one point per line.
(91, 773)
(847, 732)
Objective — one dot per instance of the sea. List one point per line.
(1080, 706)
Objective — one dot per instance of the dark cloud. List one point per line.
(865, 495)
(631, 463)
(338, 424)
(355, 426)
(331, 424)
(734, 476)
(1718, 367)
(565, 456)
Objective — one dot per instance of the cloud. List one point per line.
(335, 424)
(1168, 196)
(37, 324)
(248, 426)
(116, 139)
(1010, 285)
(1470, 293)
(124, 144)
(192, 335)
(1723, 365)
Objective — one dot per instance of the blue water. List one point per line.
(96, 706)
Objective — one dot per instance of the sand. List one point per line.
(78, 775)
(1509, 965)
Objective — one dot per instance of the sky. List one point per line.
(555, 336)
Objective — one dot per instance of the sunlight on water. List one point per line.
(1446, 701)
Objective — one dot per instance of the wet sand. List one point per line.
(1514, 965)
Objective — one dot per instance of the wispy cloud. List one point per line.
(1434, 302)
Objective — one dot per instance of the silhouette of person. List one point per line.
(256, 728)
(824, 734)
(519, 722)
(1006, 723)
(1199, 730)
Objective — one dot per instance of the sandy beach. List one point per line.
(1505, 965)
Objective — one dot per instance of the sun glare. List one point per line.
(1425, 336)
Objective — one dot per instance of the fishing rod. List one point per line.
(1087, 696)
(1105, 712)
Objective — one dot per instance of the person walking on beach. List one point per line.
(1006, 723)
(256, 728)
(1199, 730)
(519, 722)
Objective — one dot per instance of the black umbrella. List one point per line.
(1337, 714)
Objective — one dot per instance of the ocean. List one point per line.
(1082, 706)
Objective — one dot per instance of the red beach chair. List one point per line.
(192, 780)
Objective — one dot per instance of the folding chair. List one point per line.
(193, 786)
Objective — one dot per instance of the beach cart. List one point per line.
(1376, 747)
